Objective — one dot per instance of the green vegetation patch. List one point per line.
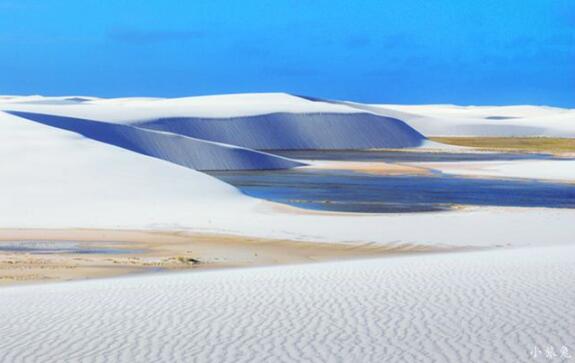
(524, 144)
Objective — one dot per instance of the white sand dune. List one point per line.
(482, 306)
(52, 178)
(253, 120)
(503, 121)
(493, 306)
(296, 131)
(138, 108)
(556, 170)
(190, 152)
(257, 121)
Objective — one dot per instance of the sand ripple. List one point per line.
(481, 306)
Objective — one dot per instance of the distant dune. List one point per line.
(491, 121)
(217, 132)
(282, 121)
(296, 131)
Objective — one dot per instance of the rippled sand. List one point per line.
(481, 306)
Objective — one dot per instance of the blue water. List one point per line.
(356, 192)
(407, 156)
(49, 247)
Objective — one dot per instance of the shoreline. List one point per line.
(368, 167)
(164, 251)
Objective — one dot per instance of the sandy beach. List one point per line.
(373, 168)
(154, 251)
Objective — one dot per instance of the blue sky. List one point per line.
(427, 51)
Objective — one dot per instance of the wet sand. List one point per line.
(166, 251)
(373, 168)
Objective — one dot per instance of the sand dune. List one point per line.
(190, 152)
(266, 121)
(138, 108)
(484, 306)
(52, 178)
(555, 170)
(504, 121)
(429, 120)
(493, 306)
(291, 131)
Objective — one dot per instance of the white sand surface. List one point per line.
(495, 305)
(553, 170)
(193, 153)
(430, 120)
(492, 306)
(126, 109)
(50, 176)
(53, 178)
(255, 121)
(504, 121)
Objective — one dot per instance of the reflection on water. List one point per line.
(406, 156)
(355, 192)
(49, 247)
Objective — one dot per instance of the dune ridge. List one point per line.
(186, 151)
(482, 121)
(296, 131)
